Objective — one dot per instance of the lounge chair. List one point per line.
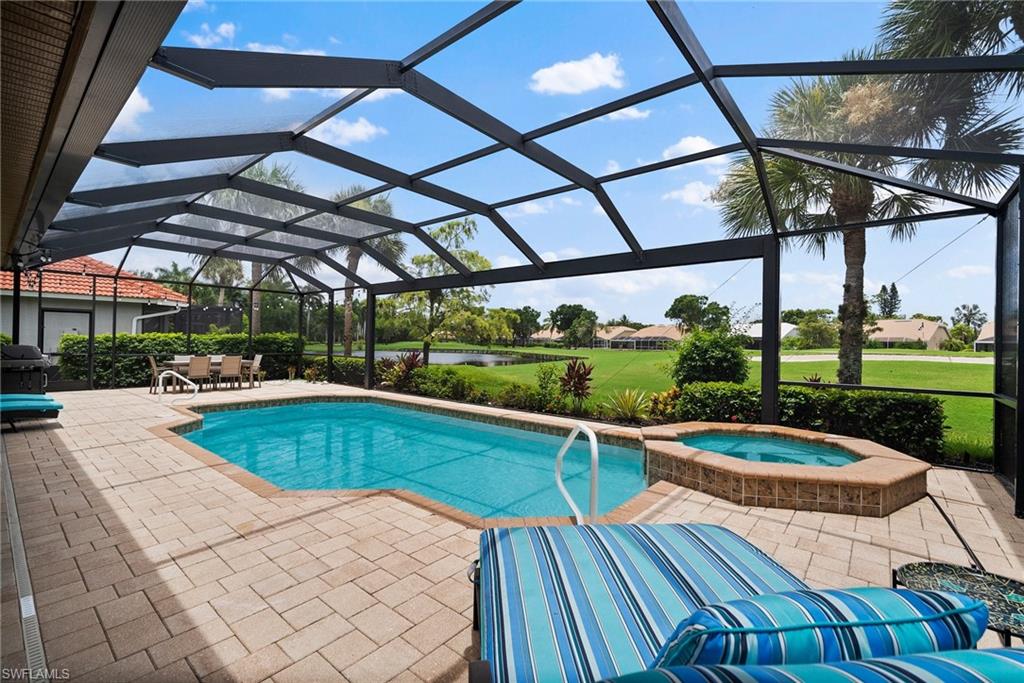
(595, 601)
(154, 375)
(199, 370)
(231, 370)
(15, 407)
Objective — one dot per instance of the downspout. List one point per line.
(139, 318)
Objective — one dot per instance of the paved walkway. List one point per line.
(148, 565)
(870, 357)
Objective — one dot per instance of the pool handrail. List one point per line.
(162, 386)
(594, 462)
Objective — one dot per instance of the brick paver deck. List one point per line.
(149, 565)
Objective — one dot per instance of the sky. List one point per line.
(537, 63)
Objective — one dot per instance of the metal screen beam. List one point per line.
(684, 255)
(471, 23)
(348, 273)
(883, 179)
(866, 67)
(149, 152)
(678, 29)
(141, 192)
(247, 69)
(60, 240)
(139, 215)
(923, 218)
(896, 151)
(299, 273)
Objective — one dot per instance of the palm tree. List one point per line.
(970, 314)
(826, 108)
(179, 275)
(392, 246)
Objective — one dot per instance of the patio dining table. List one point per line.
(181, 367)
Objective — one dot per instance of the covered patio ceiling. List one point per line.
(176, 214)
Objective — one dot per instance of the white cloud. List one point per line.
(208, 37)
(279, 94)
(579, 76)
(333, 41)
(689, 144)
(505, 261)
(570, 201)
(529, 209)
(196, 5)
(281, 49)
(967, 271)
(612, 166)
(640, 281)
(694, 193)
(627, 114)
(342, 132)
(561, 254)
(598, 209)
(128, 120)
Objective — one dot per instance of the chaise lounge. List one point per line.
(15, 407)
(597, 602)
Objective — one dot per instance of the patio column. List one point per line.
(330, 336)
(16, 311)
(188, 323)
(370, 337)
(302, 346)
(770, 331)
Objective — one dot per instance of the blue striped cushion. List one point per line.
(962, 666)
(810, 626)
(579, 603)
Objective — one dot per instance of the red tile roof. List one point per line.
(83, 268)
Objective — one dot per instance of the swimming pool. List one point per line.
(484, 469)
(770, 449)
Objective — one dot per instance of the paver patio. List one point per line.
(148, 565)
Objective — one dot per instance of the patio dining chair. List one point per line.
(231, 370)
(154, 375)
(254, 371)
(199, 370)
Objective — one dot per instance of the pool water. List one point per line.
(486, 470)
(770, 449)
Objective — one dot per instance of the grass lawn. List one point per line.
(969, 419)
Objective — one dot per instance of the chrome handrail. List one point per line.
(162, 387)
(580, 427)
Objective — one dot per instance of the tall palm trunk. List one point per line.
(254, 314)
(852, 200)
(353, 256)
(852, 311)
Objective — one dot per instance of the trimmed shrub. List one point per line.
(952, 344)
(911, 344)
(910, 423)
(5, 338)
(438, 381)
(521, 396)
(280, 350)
(706, 356)
(347, 370)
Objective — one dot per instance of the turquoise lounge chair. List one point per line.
(584, 603)
(27, 407)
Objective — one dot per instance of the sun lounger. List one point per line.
(27, 407)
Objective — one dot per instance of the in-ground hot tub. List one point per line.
(773, 466)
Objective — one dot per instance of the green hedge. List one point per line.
(910, 423)
(280, 350)
(438, 381)
(347, 370)
(5, 338)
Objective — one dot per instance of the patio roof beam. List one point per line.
(679, 30)
(881, 222)
(293, 197)
(445, 100)
(351, 275)
(173, 150)
(137, 215)
(97, 236)
(299, 273)
(126, 194)
(884, 179)
(945, 154)
(248, 69)
(866, 67)
(471, 23)
(690, 254)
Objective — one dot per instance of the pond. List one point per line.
(479, 358)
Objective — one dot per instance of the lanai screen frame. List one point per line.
(222, 68)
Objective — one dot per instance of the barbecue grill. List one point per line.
(22, 369)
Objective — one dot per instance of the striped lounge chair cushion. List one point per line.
(962, 666)
(812, 626)
(581, 603)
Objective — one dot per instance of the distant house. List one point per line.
(753, 330)
(606, 337)
(651, 337)
(986, 340)
(895, 332)
(546, 336)
(67, 306)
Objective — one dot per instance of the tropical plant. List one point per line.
(400, 375)
(969, 314)
(548, 386)
(581, 331)
(575, 383)
(662, 404)
(177, 276)
(964, 333)
(710, 356)
(692, 311)
(628, 405)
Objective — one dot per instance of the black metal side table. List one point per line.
(1003, 595)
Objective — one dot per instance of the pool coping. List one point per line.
(192, 417)
(880, 482)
